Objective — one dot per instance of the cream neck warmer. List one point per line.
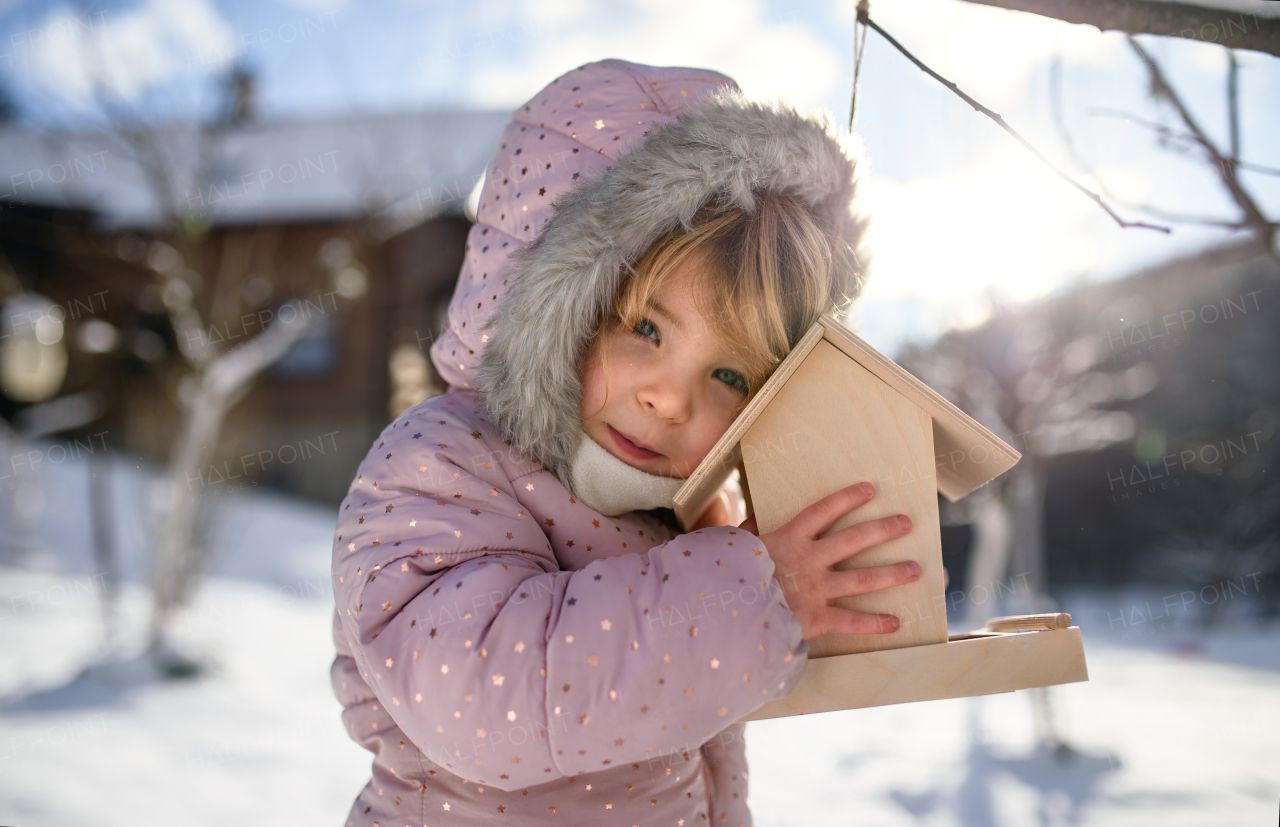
(612, 487)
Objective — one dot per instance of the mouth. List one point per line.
(630, 447)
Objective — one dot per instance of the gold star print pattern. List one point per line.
(604, 626)
(632, 607)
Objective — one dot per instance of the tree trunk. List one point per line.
(989, 559)
(1026, 491)
(177, 561)
(104, 543)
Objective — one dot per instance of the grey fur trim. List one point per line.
(723, 145)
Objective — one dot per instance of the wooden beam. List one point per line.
(974, 664)
(1232, 29)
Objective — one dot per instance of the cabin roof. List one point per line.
(967, 455)
(402, 168)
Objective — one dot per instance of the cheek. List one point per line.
(593, 385)
(707, 433)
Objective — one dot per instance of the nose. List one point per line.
(667, 397)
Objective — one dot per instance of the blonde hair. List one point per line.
(771, 273)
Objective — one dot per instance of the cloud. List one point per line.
(124, 54)
(1008, 225)
(316, 5)
(943, 249)
(537, 42)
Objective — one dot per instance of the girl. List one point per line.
(523, 630)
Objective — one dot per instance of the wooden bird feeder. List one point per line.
(837, 412)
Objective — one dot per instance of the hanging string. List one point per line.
(859, 48)
(865, 19)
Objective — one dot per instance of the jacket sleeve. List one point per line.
(725, 760)
(507, 671)
(649, 655)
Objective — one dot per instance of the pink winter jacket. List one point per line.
(505, 651)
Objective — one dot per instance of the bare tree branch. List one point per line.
(1160, 129)
(859, 49)
(1257, 168)
(1168, 134)
(1183, 218)
(1233, 103)
(866, 20)
(1060, 121)
(1161, 89)
(1236, 30)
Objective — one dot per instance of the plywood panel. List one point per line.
(958, 669)
(835, 424)
(706, 479)
(967, 455)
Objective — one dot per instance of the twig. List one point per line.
(1233, 103)
(1179, 218)
(865, 19)
(1256, 167)
(1055, 110)
(859, 49)
(1166, 132)
(1158, 128)
(1060, 121)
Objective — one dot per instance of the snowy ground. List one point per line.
(1175, 727)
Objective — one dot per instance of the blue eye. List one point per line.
(645, 330)
(732, 379)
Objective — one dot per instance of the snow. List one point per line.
(1176, 726)
(260, 736)
(1156, 739)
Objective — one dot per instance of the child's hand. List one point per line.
(803, 564)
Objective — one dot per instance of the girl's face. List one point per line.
(672, 389)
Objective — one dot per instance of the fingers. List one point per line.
(749, 524)
(861, 536)
(850, 582)
(850, 622)
(820, 516)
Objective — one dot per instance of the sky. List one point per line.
(963, 218)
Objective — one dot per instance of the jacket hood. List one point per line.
(590, 173)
